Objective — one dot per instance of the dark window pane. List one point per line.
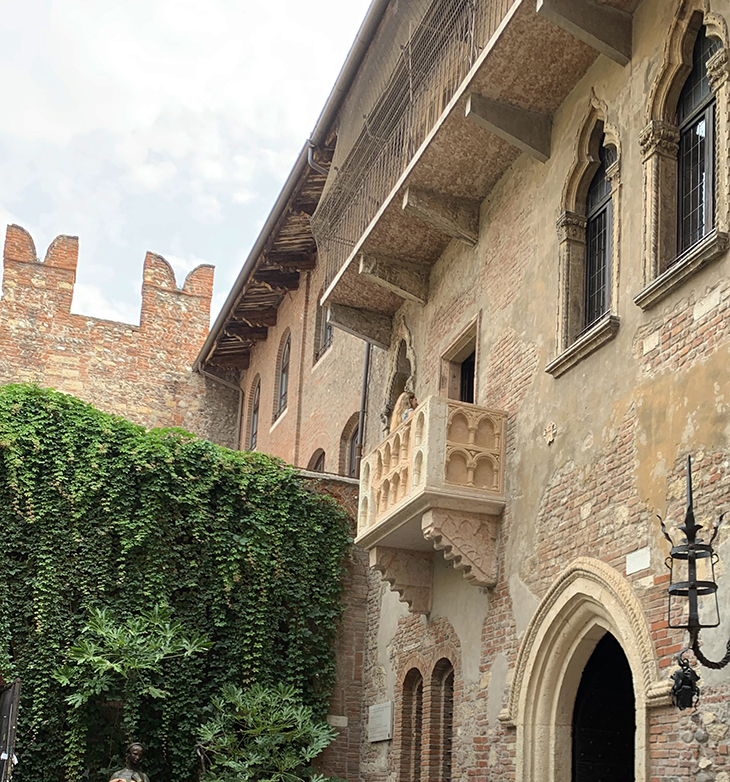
(468, 366)
(695, 179)
(284, 376)
(598, 241)
(696, 90)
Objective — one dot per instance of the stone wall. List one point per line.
(591, 456)
(140, 372)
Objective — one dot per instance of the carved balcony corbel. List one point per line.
(409, 573)
(467, 540)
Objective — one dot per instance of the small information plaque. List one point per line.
(380, 722)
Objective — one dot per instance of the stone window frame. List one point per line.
(572, 346)
(663, 269)
(285, 351)
(254, 406)
(453, 357)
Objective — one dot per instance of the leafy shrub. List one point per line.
(95, 512)
(263, 734)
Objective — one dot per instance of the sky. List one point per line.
(162, 125)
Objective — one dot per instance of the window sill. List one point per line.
(603, 331)
(322, 356)
(279, 417)
(705, 251)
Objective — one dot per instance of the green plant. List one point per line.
(263, 734)
(124, 662)
(97, 513)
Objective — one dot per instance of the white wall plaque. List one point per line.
(380, 722)
(638, 560)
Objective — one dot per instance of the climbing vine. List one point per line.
(98, 514)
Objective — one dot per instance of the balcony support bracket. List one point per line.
(408, 280)
(373, 327)
(602, 27)
(455, 217)
(409, 573)
(528, 131)
(468, 540)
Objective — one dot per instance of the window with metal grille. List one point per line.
(253, 436)
(696, 157)
(599, 227)
(283, 384)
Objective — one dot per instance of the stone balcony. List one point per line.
(436, 482)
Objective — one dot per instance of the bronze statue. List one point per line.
(131, 772)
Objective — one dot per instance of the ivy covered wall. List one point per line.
(95, 512)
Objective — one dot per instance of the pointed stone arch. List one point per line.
(587, 600)
(595, 124)
(689, 17)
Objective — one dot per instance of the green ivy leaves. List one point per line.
(101, 522)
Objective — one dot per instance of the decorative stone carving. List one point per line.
(659, 138)
(435, 480)
(718, 69)
(549, 432)
(571, 226)
(467, 540)
(409, 573)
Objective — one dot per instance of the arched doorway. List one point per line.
(604, 717)
(587, 602)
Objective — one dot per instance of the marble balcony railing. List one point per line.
(436, 482)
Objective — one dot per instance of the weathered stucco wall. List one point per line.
(625, 417)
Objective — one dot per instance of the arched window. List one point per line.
(353, 462)
(282, 385)
(696, 155)
(254, 417)
(599, 227)
(588, 243)
(442, 721)
(348, 462)
(412, 727)
(322, 332)
(316, 463)
(688, 127)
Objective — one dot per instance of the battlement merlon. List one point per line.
(48, 286)
(162, 300)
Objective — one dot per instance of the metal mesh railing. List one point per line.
(439, 53)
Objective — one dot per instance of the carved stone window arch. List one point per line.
(587, 600)
(597, 156)
(664, 267)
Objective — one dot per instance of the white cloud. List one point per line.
(156, 124)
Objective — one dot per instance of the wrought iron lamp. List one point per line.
(692, 597)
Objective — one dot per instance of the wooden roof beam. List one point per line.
(265, 317)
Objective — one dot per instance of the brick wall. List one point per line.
(140, 372)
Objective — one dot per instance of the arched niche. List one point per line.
(587, 600)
